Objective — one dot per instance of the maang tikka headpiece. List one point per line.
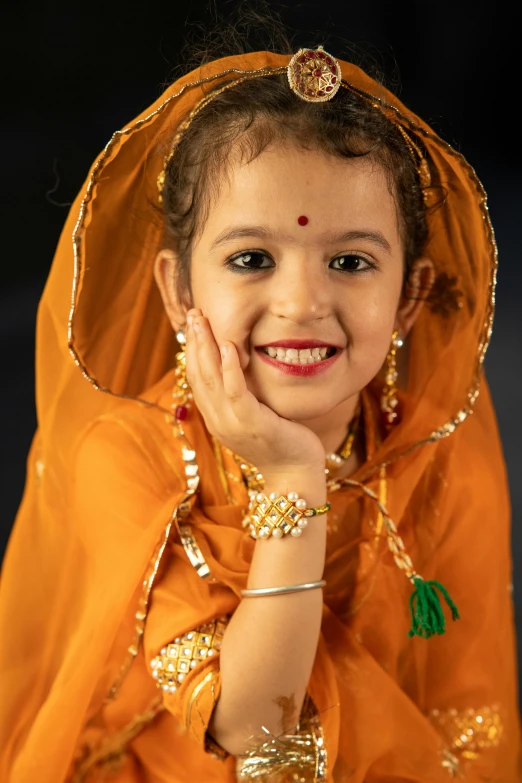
(314, 76)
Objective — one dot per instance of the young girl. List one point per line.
(263, 538)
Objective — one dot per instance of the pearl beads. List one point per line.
(277, 516)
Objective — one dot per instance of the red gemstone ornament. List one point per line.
(181, 412)
(390, 418)
(302, 220)
(314, 76)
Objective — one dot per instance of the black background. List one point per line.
(75, 73)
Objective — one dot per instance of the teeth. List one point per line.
(294, 356)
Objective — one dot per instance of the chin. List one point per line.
(296, 410)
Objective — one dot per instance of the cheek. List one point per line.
(230, 315)
(370, 322)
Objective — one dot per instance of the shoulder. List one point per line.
(133, 440)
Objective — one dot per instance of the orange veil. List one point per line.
(86, 583)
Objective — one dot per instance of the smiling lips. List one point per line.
(299, 357)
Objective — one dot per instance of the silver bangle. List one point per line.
(280, 590)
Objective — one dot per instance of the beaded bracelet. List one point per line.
(279, 515)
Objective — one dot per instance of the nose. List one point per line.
(300, 291)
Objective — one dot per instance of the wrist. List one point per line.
(309, 483)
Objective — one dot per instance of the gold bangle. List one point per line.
(279, 515)
(260, 591)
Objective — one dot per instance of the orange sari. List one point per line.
(127, 541)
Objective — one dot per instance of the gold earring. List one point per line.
(181, 394)
(389, 401)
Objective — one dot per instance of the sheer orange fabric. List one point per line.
(111, 559)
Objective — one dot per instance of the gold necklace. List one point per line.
(334, 459)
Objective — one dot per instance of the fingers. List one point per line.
(234, 384)
(215, 376)
(209, 360)
(204, 369)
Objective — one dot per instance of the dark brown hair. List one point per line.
(245, 119)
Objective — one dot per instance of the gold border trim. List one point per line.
(195, 693)
(141, 613)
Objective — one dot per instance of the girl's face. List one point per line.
(305, 247)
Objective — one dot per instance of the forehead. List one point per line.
(285, 182)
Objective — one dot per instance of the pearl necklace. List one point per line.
(335, 459)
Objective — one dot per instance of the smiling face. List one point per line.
(264, 276)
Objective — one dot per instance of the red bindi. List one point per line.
(302, 220)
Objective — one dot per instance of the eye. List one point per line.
(251, 260)
(352, 263)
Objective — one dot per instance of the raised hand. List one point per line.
(233, 414)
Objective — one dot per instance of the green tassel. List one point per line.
(427, 617)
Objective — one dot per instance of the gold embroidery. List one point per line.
(110, 753)
(468, 732)
(176, 660)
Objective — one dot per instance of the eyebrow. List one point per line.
(330, 238)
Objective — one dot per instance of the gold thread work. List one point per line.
(178, 658)
(471, 731)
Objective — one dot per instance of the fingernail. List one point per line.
(224, 350)
(190, 318)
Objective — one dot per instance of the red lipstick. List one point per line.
(304, 370)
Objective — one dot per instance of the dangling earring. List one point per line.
(389, 401)
(181, 394)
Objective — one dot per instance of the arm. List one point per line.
(270, 643)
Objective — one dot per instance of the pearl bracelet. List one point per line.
(278, 515)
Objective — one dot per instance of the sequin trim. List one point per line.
(469, 732)
(178, 658)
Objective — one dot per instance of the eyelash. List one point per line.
(244, 269)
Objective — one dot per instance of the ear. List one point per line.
(165, 274)
(416, 290)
